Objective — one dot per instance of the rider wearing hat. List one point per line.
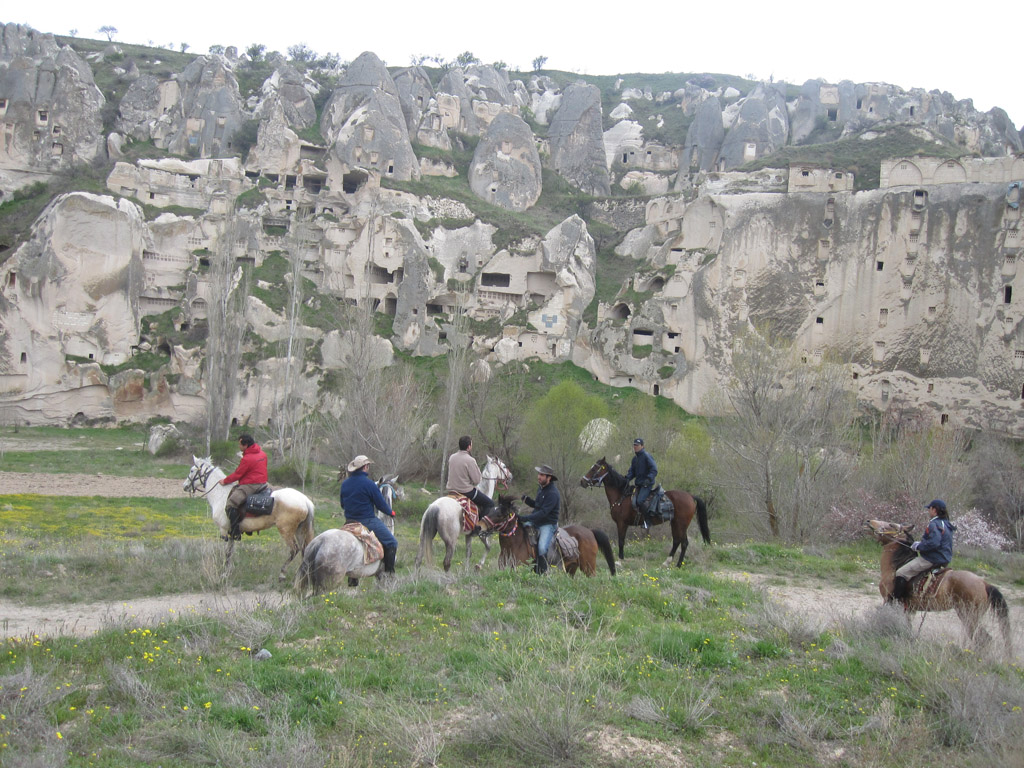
(360, 496)
(642, 470)
(934, 549)
(544, 517)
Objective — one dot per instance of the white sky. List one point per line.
(971, 51)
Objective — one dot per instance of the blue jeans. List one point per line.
(641, 495)
(545, 535)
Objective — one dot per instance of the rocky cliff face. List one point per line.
(913, 284)
(49, 105)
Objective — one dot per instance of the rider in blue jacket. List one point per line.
(360, 497)
(642, 471)
(934, 549)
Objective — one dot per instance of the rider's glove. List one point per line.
(915, 545)
(527, 500)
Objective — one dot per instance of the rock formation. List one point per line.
(577, 140)
(506, 167)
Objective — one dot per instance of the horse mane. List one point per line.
(903, 554)
(618, 481)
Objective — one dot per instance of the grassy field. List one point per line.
(652, 667)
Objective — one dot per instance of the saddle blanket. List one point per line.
(373, 550)
(470, 514)
(926, 584)
(569, 547)
(261, 503)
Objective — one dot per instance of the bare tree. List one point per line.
(108, 30)
(496, 409)
(229, 288)
(998, 480)
(783, 433)
(458, 374)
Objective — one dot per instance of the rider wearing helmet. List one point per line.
(251, 476)
(642, 470)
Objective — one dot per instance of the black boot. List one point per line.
(899, 589)
(542, 565)
(235, 519)
(389, 559)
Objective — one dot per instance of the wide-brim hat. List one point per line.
(544, 469)
(358, 462)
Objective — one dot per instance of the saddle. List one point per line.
(260, 503)
(566, 549)
(923, 585)
(470, 514)
(373, 550)
(659, 507)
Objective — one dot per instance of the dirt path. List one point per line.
(80, 620)
(89, 485)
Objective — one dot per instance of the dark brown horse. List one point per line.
(625, 513)
(516, 547)
(966, 593)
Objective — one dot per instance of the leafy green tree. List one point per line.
(301, 54)
(539, 62)
(108, 30)
(465, 59)
(255, 52)
(551, 435)
(219, 49)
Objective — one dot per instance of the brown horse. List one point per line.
(966, 593)
(625, 514)
(516, 547)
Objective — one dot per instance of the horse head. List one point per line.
(503, 516)
(596, 474)
(887, 532)
(501, 473)
(198, 474)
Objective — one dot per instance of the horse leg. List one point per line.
(682, 549)
(621, 526)
(227, 557)
(293, 550)
(487, 550)
(449, 549)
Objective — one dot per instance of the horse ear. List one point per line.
(907, 528)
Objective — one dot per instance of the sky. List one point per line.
(970, 54)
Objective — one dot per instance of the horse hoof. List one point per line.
(478, 567)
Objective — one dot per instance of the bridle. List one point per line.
(507, 527)
(502, 476)
(593, 482)
(199, 473)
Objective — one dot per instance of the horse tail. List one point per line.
(997, 603)
(702, 519)
(428, 529)
(606, 548)
(305, 578)
(306, 530)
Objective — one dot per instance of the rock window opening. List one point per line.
(390, 306)
(931, 311)
(289, 181)
(944, 419)
(860, 103)
(805, 173)
(24, 357)
(44, 116)
(435, 309)
(352, 181)
(911, 111)
(931, 388)
(495, 280)
(819, 321)
(1007, 293)
(879, 266)
(657, 390)
(12, 278)
(391, 169)
(620, 312)
(883, 318)
(833, 115)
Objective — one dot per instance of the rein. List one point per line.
(597, 481)
(506, 528)
(501, 477)
(202, 475)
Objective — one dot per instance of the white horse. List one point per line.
(444, 517)
(333, 555)
(390, 490)
(292, 513)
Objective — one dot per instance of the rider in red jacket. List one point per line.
(251, 476)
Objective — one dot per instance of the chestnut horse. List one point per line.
(616, 488)
(517, 549)
(966, 593)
